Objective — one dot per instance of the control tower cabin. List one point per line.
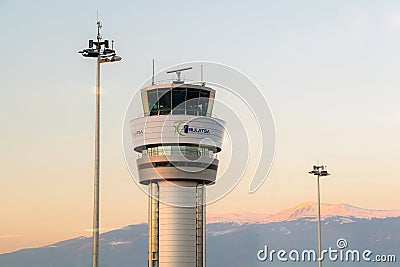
(177, 140)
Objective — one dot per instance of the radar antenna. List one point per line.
(178, 73)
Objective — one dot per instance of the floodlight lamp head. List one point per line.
(319, 171)
(115, 58)
(324, 173)
(89, 52)
(108, 52)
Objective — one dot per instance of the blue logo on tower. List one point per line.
(183, 128)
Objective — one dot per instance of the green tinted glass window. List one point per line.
(203, 102)
(192, 103)
(152, 101)
(164, 101)
(178, 100)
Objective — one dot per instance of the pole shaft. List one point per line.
(319, 225)
(95, 249)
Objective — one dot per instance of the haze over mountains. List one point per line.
(234, 239)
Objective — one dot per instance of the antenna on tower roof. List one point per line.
(178, 73)
(152, 77)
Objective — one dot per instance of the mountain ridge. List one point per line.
(303, 210)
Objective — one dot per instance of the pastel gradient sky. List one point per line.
(329, 69)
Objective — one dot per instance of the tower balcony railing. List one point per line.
(174, 81)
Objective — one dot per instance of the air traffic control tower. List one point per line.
(177, 140)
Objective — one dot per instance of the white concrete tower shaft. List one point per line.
(177, 140)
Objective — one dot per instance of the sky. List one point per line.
(329, 70)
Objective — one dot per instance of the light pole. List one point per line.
(102, 53)
(319, 171)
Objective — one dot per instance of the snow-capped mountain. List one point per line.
(304, 210)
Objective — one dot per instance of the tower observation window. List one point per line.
(203, 102)
(164, 96)
(178, 100)
(185, 101)
(192, 101)
(153, 103)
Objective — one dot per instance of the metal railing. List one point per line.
(171, 81)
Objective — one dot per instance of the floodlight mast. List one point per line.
(319, 171)
(103, 54)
